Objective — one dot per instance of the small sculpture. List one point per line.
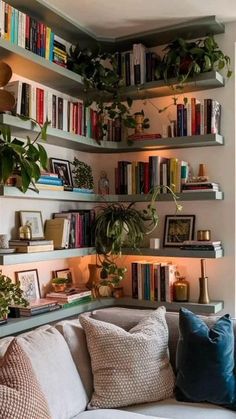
(103, 184)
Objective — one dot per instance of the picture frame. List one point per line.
(35, 220)
(62, 169)
(178, 228)
(63, 273)
(29, 283)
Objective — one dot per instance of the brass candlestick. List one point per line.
(203, 284)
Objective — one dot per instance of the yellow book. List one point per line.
(42, 186)
(48, 36)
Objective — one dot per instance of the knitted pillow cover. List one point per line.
(129, 367)
(20, 393)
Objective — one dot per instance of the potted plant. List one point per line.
(83, 176)
(10, 294)
(185, 59)
(60, 284)
(24, 158)
(119, 225)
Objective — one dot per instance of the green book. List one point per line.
(82, 300)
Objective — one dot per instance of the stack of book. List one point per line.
(153, 281)
(59, 51)
(200, 186)
(31, 246)
(39, 306)
(49, 181)
(201, 245)
(71, 297)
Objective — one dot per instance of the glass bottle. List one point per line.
(103, 184)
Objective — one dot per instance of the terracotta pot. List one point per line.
(59, 287)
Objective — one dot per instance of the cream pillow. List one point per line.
(129, 367)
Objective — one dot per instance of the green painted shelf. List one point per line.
(78, 142)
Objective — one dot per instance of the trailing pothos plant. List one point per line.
(23, 157)
(101, 80)
(122, 225)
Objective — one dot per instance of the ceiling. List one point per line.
(115, 18)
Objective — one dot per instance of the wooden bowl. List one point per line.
(5, 73)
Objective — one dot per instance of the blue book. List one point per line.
(51, 46)
(12, 34)
(51, 181)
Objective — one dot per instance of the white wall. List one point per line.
(218, 216)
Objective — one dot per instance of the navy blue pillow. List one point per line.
(205, 361)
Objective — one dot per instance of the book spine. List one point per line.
(180, 120)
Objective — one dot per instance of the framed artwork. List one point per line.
(29, 283)
(35, 220)
(62, 169)
(177, 229)
(64, 273)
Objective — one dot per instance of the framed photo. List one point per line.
(35, 220)
(177, 229)
(29, 283)
(63, 273)
(62, 169)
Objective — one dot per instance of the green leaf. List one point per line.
(43, 156)
(7, 163)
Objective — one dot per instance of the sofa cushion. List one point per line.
(20, 393)
(171, 408)
(205, 360)
(76, 340)
(55, 370)
(112, 414)
(129, 367)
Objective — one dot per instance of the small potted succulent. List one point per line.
(10, 294)
(60, 284)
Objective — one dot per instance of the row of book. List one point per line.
(198, 117)
(141, 177)
(75, 225)
(55, 301)
(21, 29)
(136, 66)
(153, 281)
(64, 112)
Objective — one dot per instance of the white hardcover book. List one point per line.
(49, 106)
(189, 118)
(23, 30)
(70, 117)
(20, 29)
(170, 277)
(215, 117)
(65, 115)
(32, 101)
(140, 280)
(2, 18)
(15, 88)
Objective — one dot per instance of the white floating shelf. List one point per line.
(175, 253)
(12, 192)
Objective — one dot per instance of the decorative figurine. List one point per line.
(103, 184)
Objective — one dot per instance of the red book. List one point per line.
(144, 136)
(80, 118)
(38, 104)
(41, 106)
(27, 32)
(193, 121)
(75, 118)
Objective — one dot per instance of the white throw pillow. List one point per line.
(129, 367)
(55, 371)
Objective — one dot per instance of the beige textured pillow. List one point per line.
(20, 393)
(129, 367)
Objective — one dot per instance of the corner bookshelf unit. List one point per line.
(13, 192)
(21, 324)
(78, 142)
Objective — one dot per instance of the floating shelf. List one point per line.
(17, 258)
(211, 308)
(19, 325)
(175, 253)
(210, 80)
(12, 192)
(36, 68)
(73, 32)
(77, 142)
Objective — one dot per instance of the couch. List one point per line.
(60, 358)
